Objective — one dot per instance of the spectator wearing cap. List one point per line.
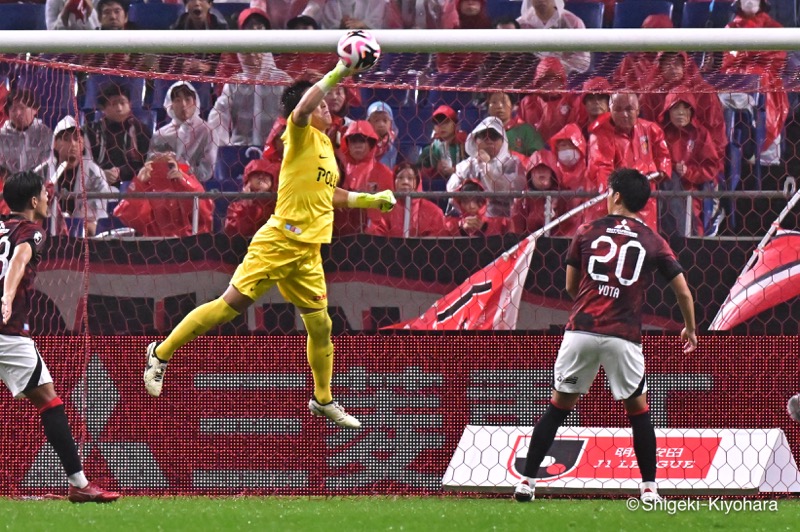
(70, 168)
(118, 141)
(522, 137)
(550, 14)
(246, 216)
(380, 115)
(437, 161)
(551, 107)
(491, 164)
(425, 218)
(70, 15)
(25, 141)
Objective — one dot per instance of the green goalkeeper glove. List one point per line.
(384, 200)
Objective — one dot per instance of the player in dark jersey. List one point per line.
(609, 264)
(21, 367)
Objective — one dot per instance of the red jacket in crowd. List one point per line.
(572, 174)
(549, 111)
(273, 146)
(368, 174)
(642, 148)
(692, 148)
(246, 216)
(167, 217)
(530, 214)
(708, 109)
(769, 66)
(425, 218)
(635, 66)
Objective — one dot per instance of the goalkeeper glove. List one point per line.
(384, 200)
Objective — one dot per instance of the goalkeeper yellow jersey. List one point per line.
(309, 175)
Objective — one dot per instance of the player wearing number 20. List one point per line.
(609, 264)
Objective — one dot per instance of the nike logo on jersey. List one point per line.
(323, 156)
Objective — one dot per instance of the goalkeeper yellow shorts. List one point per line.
(296, 267)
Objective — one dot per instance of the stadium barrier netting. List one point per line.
(100, 299)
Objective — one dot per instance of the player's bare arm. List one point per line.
(686, 304)
(16, 269)
(573, 281)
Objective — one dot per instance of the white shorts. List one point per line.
(581, 355)
(21, 365)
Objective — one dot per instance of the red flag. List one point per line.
(488, 300)
(773, 279)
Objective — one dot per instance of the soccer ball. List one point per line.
(358, 50)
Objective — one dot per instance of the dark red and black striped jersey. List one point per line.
(15, 231)
(616, 257)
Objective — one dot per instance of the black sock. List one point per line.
(644, 445)
(543, 435)
(58, 433)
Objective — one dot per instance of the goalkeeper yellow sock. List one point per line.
(319, 351)
(197, 322)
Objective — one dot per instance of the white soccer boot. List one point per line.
(154, 371)
(793, 407)
(649, 492)
(335, 412)
(524, 491)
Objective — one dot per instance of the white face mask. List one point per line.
(751, 7)
(569, 157)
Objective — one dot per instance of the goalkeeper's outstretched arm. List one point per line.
(311, 99)
(383, 200)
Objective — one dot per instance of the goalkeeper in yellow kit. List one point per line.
(286, 250)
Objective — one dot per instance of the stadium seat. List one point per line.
(228, 172)
(22, 17)
(785, 12)
(96, 82)
(591, 13)
(739, 127)
(154, 16)
(498, 9)
(631, 13)
(50, 116)
(707, 14)
(55, 88)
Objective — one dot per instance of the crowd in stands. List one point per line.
(655, 112)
